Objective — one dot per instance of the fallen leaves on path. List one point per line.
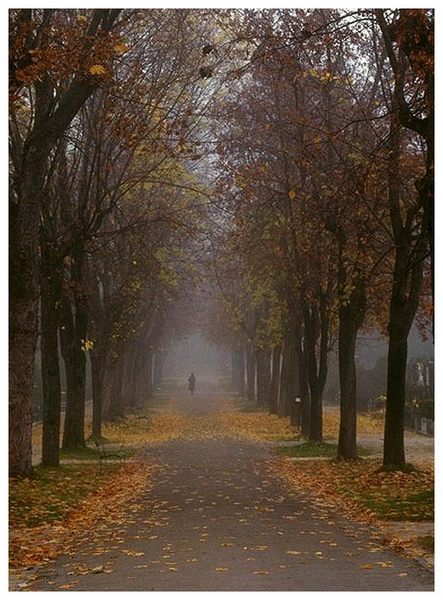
(255, 426)
(33, 545)
(363, 492)
(158, 429)
(229, 424)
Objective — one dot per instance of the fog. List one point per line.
(195, 354)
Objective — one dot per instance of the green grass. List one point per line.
(52, 492)
(313, 450)
(80, 454)
(426, 542)
(92, 454)
(414, 507)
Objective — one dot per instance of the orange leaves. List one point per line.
(255, 426)
(66, 51)
(120, 48)
(32, 545)
(97, 70)
(161, 428)
(169, 426)
(365, 493)
(366, 423)
(382, 565)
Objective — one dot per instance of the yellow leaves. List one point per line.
(120, 48)
(384, 565)
(98, 569)
(86, 345)
(292, 194)
(169, 426)
(97, 70)
(254, 426)
(369, 566)
(363, 492)
(33, 545)
(366, 423)
(133, 553)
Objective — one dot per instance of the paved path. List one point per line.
(216, 520)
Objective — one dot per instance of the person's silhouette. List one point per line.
(191, 383)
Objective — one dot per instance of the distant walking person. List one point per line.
(191, 382)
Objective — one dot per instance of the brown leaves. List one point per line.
(383, 565)
(32, 545)
(367, 423)
(254, 426)
(364, 492)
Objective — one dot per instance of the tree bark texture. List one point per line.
(351, 316)
(275, 379)
(29, 181)
(73, 336)
(50, 303)
(263, 376)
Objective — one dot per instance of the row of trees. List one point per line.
(318, 126)
(104, 206)
(325, 161)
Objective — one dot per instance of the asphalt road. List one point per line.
(215, 519)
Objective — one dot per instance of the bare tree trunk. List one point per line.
(158, 368)
(146, 379)
(73, 336)
(23, 305)
(351, 316)
(284, 407)
(241, 370)
(316, 329)
(50, 300)
(410, 251)
(237, 369)
(97, 385)
(250, 372)
(263, 376)
(305, 399)
(275, 379)
(113, 388)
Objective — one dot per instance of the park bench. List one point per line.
(106, 454)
